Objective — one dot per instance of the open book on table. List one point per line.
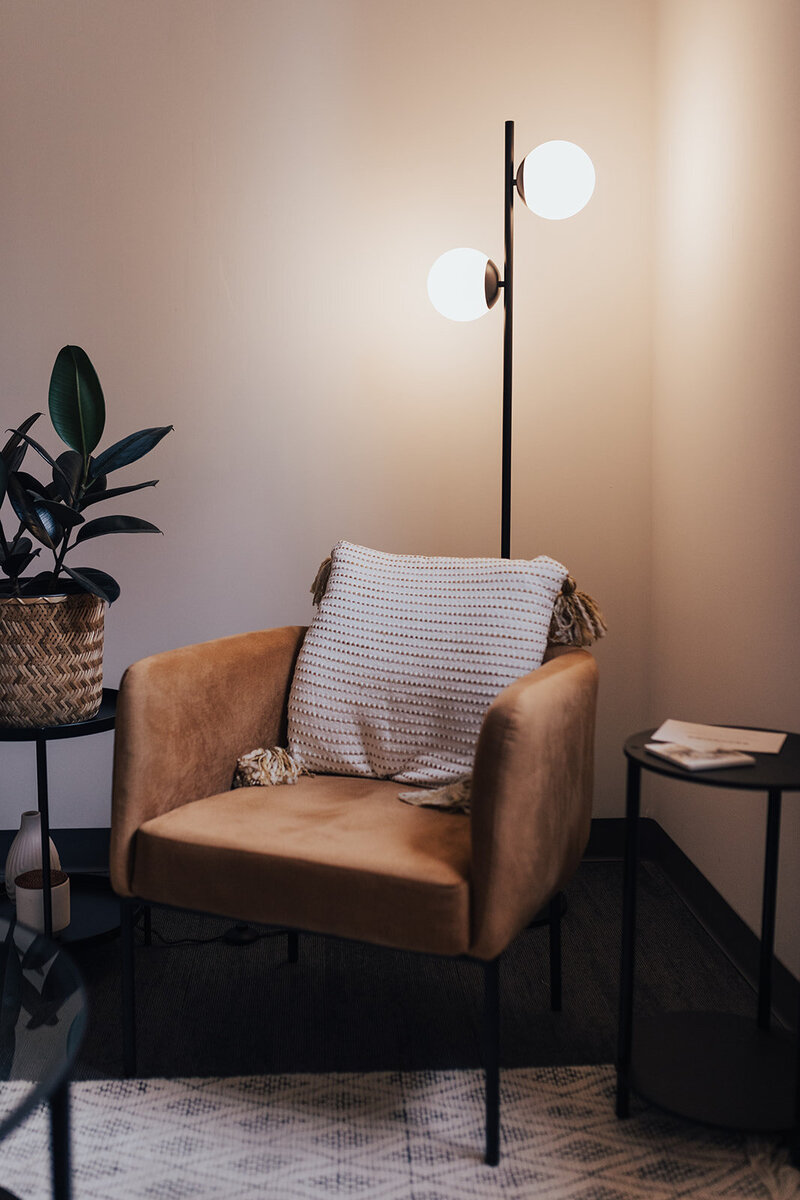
(705, 747)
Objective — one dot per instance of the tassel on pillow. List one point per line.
(267, 768)
(321, 580)
(454, 797)
(576, 620)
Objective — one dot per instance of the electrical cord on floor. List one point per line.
(236, 935)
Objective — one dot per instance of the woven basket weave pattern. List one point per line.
(51, 659)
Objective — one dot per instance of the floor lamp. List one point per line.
(555, 181)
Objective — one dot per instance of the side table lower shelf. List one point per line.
(716, 1068)
(94, 910)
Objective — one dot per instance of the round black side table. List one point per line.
(94, 911)
(716, 1068)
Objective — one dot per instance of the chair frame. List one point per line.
(491, 997)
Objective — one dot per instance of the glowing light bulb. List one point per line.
(556, 180)
(463, 284)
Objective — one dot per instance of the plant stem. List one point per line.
(60, 555)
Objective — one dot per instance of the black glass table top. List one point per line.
(42, 1020)
(769, 772)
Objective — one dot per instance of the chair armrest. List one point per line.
(184, 717)
(531, 796)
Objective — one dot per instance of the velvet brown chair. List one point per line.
(340, 855)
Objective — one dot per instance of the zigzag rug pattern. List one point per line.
(385, 1136)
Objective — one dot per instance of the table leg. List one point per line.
(44, 817)
(127, 914)
(625, 1031)
(60, 1142)
(794, 1136)
(768, 908)
(491, 1057)
(554, 923)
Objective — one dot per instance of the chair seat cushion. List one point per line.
(329, 854)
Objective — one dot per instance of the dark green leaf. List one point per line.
(48, 521)
(16, 564)
(94, 581)
(31, 484)
(130, 448)
(14, 450)
(3, 479)
(104, 525)
(77, 407)
(44, 584)
(98, 483)
(93, 497)
(41, 526)
(68, 478)
(48, 458)
(63, 514)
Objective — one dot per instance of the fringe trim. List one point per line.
(770, 1162)
(321, 580)
(576, 620)
(454, 797)
(267, 768)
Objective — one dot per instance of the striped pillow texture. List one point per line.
(406, 653)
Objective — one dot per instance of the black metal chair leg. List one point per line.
(292, 945)
(491, 1057)
(556, 909)
(127, 916)
(60, 1143)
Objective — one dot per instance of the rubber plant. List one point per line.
(50, 514)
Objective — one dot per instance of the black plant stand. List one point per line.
(94, 912)
(716, 1068)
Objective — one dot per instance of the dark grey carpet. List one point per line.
(217, 1009)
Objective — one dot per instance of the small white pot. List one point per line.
(30, 899)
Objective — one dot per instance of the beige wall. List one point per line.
(233, 207)
(726, 416)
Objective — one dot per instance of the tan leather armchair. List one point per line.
(340, 855)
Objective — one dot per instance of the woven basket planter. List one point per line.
(51, 659)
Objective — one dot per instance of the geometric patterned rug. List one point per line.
(385, 1136)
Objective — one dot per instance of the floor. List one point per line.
(225, 1009)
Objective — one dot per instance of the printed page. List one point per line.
(719, 737)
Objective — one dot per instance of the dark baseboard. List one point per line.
(719, 920)
(86, 850)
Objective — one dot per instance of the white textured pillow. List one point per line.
(405, 655)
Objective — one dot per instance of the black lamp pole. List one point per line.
(508, 326)
(451, 282)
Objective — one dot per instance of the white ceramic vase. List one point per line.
(26, 851)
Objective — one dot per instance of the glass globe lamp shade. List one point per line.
(556, 180)
(463, 284)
